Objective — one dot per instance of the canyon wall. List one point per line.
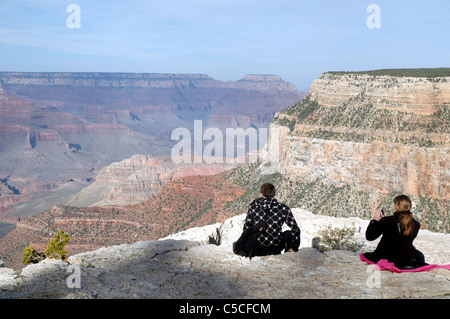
(369, 138)
(414, 94)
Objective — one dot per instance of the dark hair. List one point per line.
(267, 190)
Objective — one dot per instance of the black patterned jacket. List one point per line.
(277, 214)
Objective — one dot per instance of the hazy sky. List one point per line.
(225, 39)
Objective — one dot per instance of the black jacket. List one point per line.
(275, 214)
(393, 246)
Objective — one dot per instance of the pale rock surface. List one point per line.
(367, 166)
(418, 95)
(184, 265)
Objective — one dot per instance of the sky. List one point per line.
(225, 39)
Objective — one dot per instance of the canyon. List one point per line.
(58, 130)
(343, 160)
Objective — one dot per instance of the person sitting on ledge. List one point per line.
(272, 240)
(399, 232)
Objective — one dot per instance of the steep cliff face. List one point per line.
(365, 139)
(412, 94)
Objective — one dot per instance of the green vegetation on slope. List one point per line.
(323, 198)
(358, 121)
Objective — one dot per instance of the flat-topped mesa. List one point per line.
(95, 79)
(261, 77)
(141, 80)
(267, 81)
(401, 90)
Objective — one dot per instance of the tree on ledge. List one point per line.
(55, 249)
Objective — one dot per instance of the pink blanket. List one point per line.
(384, 264)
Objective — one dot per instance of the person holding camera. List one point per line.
(398, 233)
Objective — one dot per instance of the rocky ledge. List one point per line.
(188, 265)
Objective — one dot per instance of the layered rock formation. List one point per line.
(193, 268)
(155, 103)
(61, 129)
(369, 138)
(418, 94)
(42, 149)
(138, 179)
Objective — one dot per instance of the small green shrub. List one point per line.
(31, 256)
(337, 239)
(55, 249)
